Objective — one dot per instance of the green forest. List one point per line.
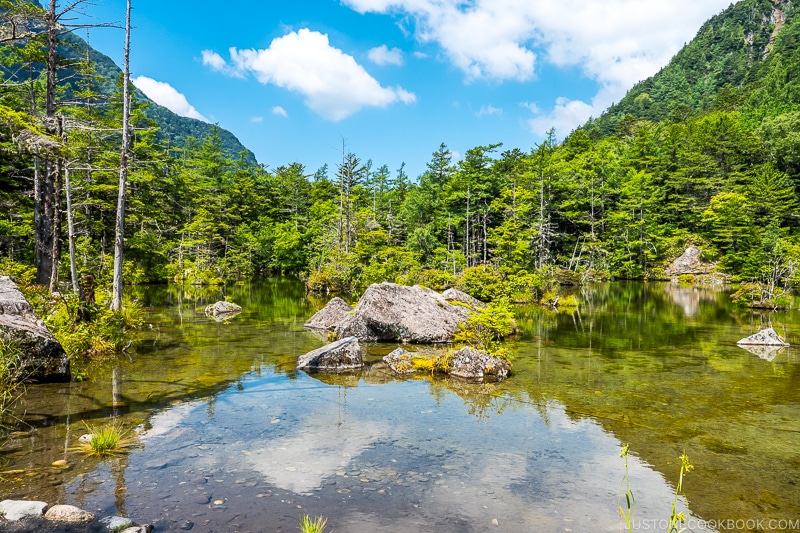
(704, 153)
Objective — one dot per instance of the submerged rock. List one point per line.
(334, 312)
(391, 312)
(340, 356)
(765, 337)
(469, 363)
(42, 357)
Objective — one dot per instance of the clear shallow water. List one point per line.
(232, 438)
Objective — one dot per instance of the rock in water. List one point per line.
(391, 312)
(334, 312)
(399, 361)
(222, 309)
(340, 356)
(765, 337)
(15, 510)
(68, 513)
(470, 363)
(42, 357)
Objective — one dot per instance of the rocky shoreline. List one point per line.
(23, 516)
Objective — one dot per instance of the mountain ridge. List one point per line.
(721, 68)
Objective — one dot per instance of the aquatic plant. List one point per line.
(109, 439)
(312, 525)
(626, 514)
(675, 518)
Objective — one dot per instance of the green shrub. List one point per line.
(761, 296)
(10, 387)
(524, 287)
(19, 272)
(488, 325)
(484, 283)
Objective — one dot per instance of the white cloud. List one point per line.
(489, 110)
(166, 95)
(278, 110)
(214, 60)
(334, 85)
(532, 107)
(257, 119)
(381, 55)
(614, 42)
(565, 117)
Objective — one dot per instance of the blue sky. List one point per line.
(395, 78)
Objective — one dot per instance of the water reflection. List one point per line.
(234, 438)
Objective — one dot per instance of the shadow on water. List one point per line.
(231, 437)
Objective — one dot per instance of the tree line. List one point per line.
(500, 221)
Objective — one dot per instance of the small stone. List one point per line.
(61, 463)
(219, 502)
(85, 438)
(68, 513)
(116, 523)
(187, 525)
(147, 528)
(202, 499)
(495, 522)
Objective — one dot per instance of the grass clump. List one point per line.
(109, 439)
(312, 525)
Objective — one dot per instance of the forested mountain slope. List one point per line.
(74, 52)
(746, 58)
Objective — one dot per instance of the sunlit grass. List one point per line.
(109, 439)
(312, 525)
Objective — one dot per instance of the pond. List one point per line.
(230, 437)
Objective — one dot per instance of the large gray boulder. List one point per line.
(341, 356)
(389, 312)
(469, 363)
(42, 357)
(689, 263)
(334, 312)
(765, 337)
